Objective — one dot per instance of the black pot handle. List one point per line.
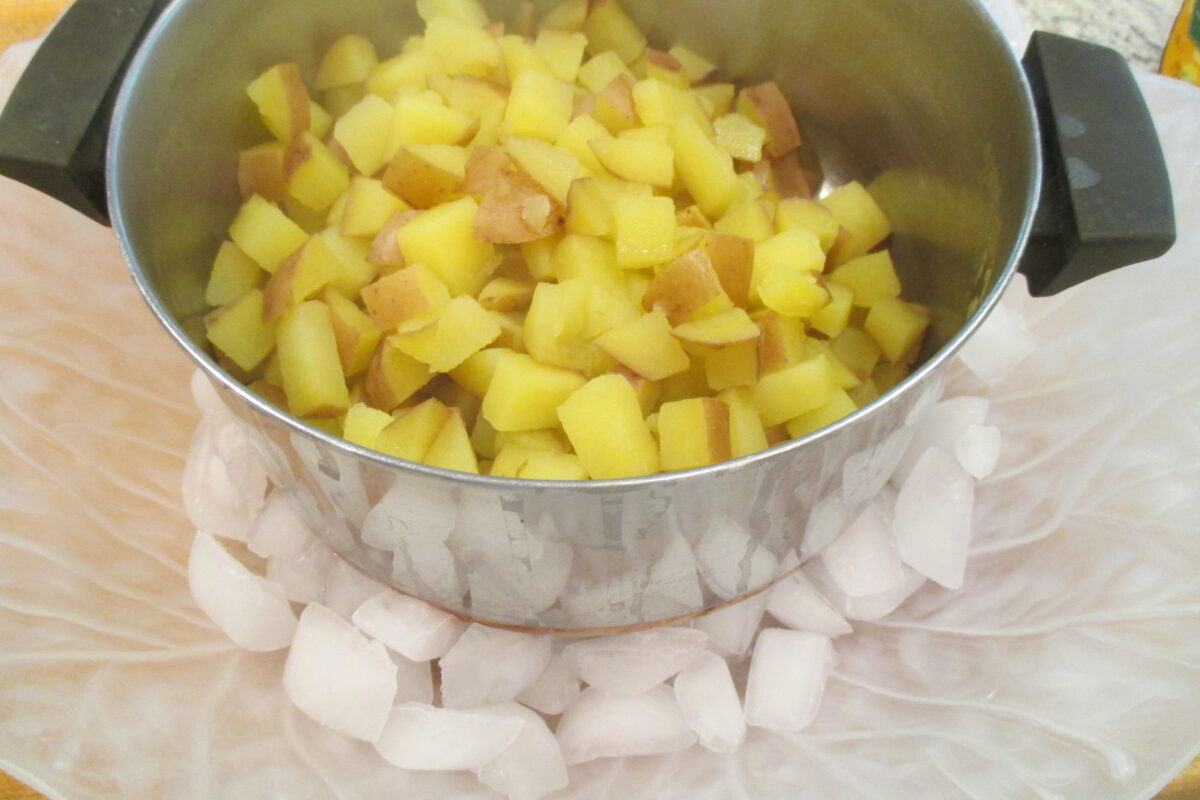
(1106, 196)
(54, 129)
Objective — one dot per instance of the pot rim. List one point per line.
(114, 195)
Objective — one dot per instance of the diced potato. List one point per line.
(637, 161)
(233, 274)
(766, 106)
(516, 209)
(451, 447)
(697, 67)
(520, 57)
(282, 101)
(793, 292)
(510, 460)
(348, 60)
(718, 98)
(602, 70)
(857, 351)
(897, 327)
(539, 257)
(590, 259)
(444, 337)
(568, 15)
(575, 137)
(687, 288)
(315, 176)
(369, 205)
(667, 68)
(422, 118)
(732, 258)
(871, 277)
(468, 95)
(320, 121)
(724, 328)
(524, 395)
(740, 137)
(468, 12)
(693, 433)
(781, 342)
(357, 336)
(241, 333)
(309, 362)
(364, 132)
(363, 424)
(645, 231)
(796, 212)
(556, 328)
(786, 394)
(475, 373)
(352, 271)
(590, 203)
(546, 164)
(393, 377)
(840, 405)
(843, 378)
(562, 51)
(796, 249)
(505, 294)
(543, 440)
(648, 392)
(552, 467)
(705, 169)
(413, 431)
(483, 439)
(300, 278)
(384, 250)
(425, 176)
(264, 233)
(746, 434)
(646, 346)
(863, 222)
(539, 106)
(443, 240)
(732, 366)
(465, 49)
(608, 28)
(604, 424)
(260, 171)
(614, 107)
(835, 316)
(659, 103)
(408, 69)
(685, 385)
(749, 220)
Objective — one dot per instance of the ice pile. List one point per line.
(432, 692)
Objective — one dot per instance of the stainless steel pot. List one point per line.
(921, 100)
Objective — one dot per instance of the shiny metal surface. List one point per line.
(919, 99)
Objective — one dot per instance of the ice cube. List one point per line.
(554, 689)
(796, 603)
(347, 587)
(731, 628)
(279, 530)
(532, 766)
(303, 578)
(338, 677)
(941, 428)
(411, 627)
(206, 397)
(421, 737)
(787, 678)
(978, 450)
(997, 346)
(427, 568)
(673, 587)
(507, 586)
(604, 725)
(631, 663)
(732, 561)
(403, 514)
(869, 607)
(414, 680)
(491, 665)
(253, 612)
(932, 519)
(710, 703)
(224, 485)
(863, 560)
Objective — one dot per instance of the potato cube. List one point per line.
(539, 257)
(724, 328)
(408, 69)
(843, 378)
(364, 132)
(786, 394)
(451, 447)
(516, 209)
(260, 171)
(510, 460)
(264, 233)
(637, 161)
(468, 95)
(568, 15)
(732, 366)
(862, 220)
(424, 176)
(384, 250)
(505, 294)
(687, 288)
(662, 66)
(748, 219)
(241, 333)
(717, 98)
(781, 343)
(796, 212)
(444, 337)
(793, 292)
(539, 106)
(423, 119)
(349, 60)
(871, 277)
(857, 351)
(352, 270)
(646, 346)
(658, 103)
(542, 440)
(282, 101)
(468, 12)
(766, 106)
(309, 361)
(746, 434)
(590, 203)
(602, 70)
(233, 274)
(732, 258)
(796, 249)
(608, 28)
(613, 106)
(357, 336)
(443, 240)
(697, 67)
(590, 259)
(524, 395)
(363, 424)
(645, 231)
(483, 440)
(648, 392)
(840, 405)
(897, 327)
(693, 433)
(574, 140)
(740, 137)
(300, 278)
(562, 51)
(835, 316)
(546, 164)
(393, 377)
(604, 424)
(705, 169)
(413, 431)
(315, 176)
(520, 57)
(552, 467)
(864, 394)
(556, 328)
(475, 373)
(368, 207)
(464, 48)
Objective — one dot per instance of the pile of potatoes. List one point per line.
(563, 256)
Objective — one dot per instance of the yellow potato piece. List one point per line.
(645, 345)
(310, 364)
(786, 394)
(241, 333)
(603, 421)
(525, 395)
(693, 433)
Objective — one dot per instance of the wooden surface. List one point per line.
(25, 19)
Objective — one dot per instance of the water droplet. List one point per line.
(1080, 173)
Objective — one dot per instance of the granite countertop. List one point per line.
(1136, 28)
